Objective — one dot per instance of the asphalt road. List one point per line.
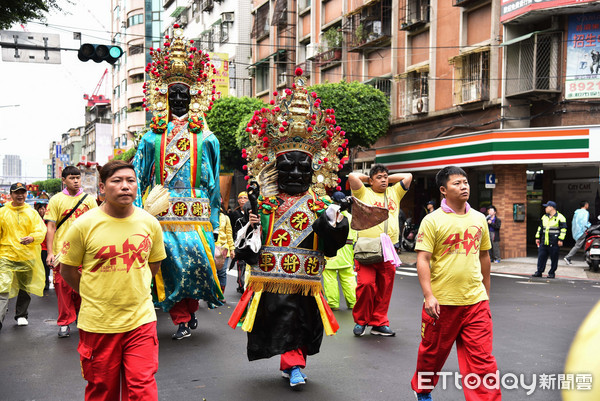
(534, 324)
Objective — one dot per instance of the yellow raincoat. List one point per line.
(21, 265)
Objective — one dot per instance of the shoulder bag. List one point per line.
(368, 250)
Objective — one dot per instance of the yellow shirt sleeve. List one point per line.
(426, 236)
(157, 253)
(73, 247)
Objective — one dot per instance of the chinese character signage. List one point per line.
(513, 8)
(583, 56)
(221, 63)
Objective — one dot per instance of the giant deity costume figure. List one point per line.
(182, 154)
(294, 159)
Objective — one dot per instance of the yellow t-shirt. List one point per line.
(394, 194)
(115, 277)
(454, 242)
(58, 207)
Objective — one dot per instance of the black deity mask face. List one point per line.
(179, 99)
(294, 172)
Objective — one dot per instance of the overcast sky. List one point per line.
(50, 96)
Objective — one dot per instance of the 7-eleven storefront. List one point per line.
(530, 166)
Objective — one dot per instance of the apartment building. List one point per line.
(222, 28)
(136, 26)
(503, 88)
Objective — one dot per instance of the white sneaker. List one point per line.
(22, 321)
(567, 261)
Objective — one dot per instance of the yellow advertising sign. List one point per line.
(117, 152)
(221, 63)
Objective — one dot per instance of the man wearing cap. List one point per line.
(22, 230)
(549, 238)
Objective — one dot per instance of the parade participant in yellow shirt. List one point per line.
(63, 209)
(119, 247)
(453, 265)
(376, 281)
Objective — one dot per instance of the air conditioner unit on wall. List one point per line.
(311, 50)
(420, 105)
(227, 17)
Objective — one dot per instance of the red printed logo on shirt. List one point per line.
(65, 248)
(391, 205)
(108, 254)
(469, 241)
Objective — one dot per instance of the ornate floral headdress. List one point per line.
(179, 62)
(296, 123)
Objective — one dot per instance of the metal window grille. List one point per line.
(414, 12)
(471, 77)
(414, 92)
(533, 64)
(261, 22)
(280, 19)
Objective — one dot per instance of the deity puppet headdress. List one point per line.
(179, 62)
(296, 123)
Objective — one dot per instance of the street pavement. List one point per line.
(534, 323)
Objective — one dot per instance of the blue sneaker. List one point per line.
(424, 397)
(296, 378)
(286, 374)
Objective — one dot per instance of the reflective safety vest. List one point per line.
(552, 229)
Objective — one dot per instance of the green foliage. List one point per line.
(127, 155)
(21, 11)
(361, 110)
(51, 186)
(333, 37)
(224, 120)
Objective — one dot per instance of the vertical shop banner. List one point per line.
(583, 56)
(221, 63)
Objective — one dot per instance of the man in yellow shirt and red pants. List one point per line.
(119, 247)
(453, 264)
(376, 281)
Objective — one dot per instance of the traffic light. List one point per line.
(99, 53)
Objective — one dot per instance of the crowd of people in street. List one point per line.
(290, 240)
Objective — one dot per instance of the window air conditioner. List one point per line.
(311, 50)
(227, 17)
(420, 105)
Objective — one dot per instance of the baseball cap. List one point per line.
(17, 186)
(550, 203)
(338, 196)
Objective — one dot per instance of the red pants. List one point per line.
(373, 293)
(293, 358)
(120, 366)
(471, 327)
(182, 311)
(68, 300)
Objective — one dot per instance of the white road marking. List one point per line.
(505, 275)
(531, 282)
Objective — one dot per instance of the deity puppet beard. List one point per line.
(179, 99)
(294, 172)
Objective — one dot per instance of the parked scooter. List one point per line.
(592, 247)
(409, 235)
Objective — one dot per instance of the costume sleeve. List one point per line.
(157, 253)
(335, 237)
(211, 155)
(38, 228)
(142, 164)
(426, 235)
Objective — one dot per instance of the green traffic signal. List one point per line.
(99, 53)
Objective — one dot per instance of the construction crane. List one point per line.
(95, 98)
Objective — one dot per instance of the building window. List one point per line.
(414, 14)
(533, 64)
(383, 84)
(372, 25)
(135, 20)
(261, 22)
(262, 77)
(472, 77)
(224, 34)
(136, 78)
(415, 86)
(124, 85)
(136, 49)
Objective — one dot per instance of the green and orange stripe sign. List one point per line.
(492, 147)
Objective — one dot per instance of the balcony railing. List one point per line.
(328, 57)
